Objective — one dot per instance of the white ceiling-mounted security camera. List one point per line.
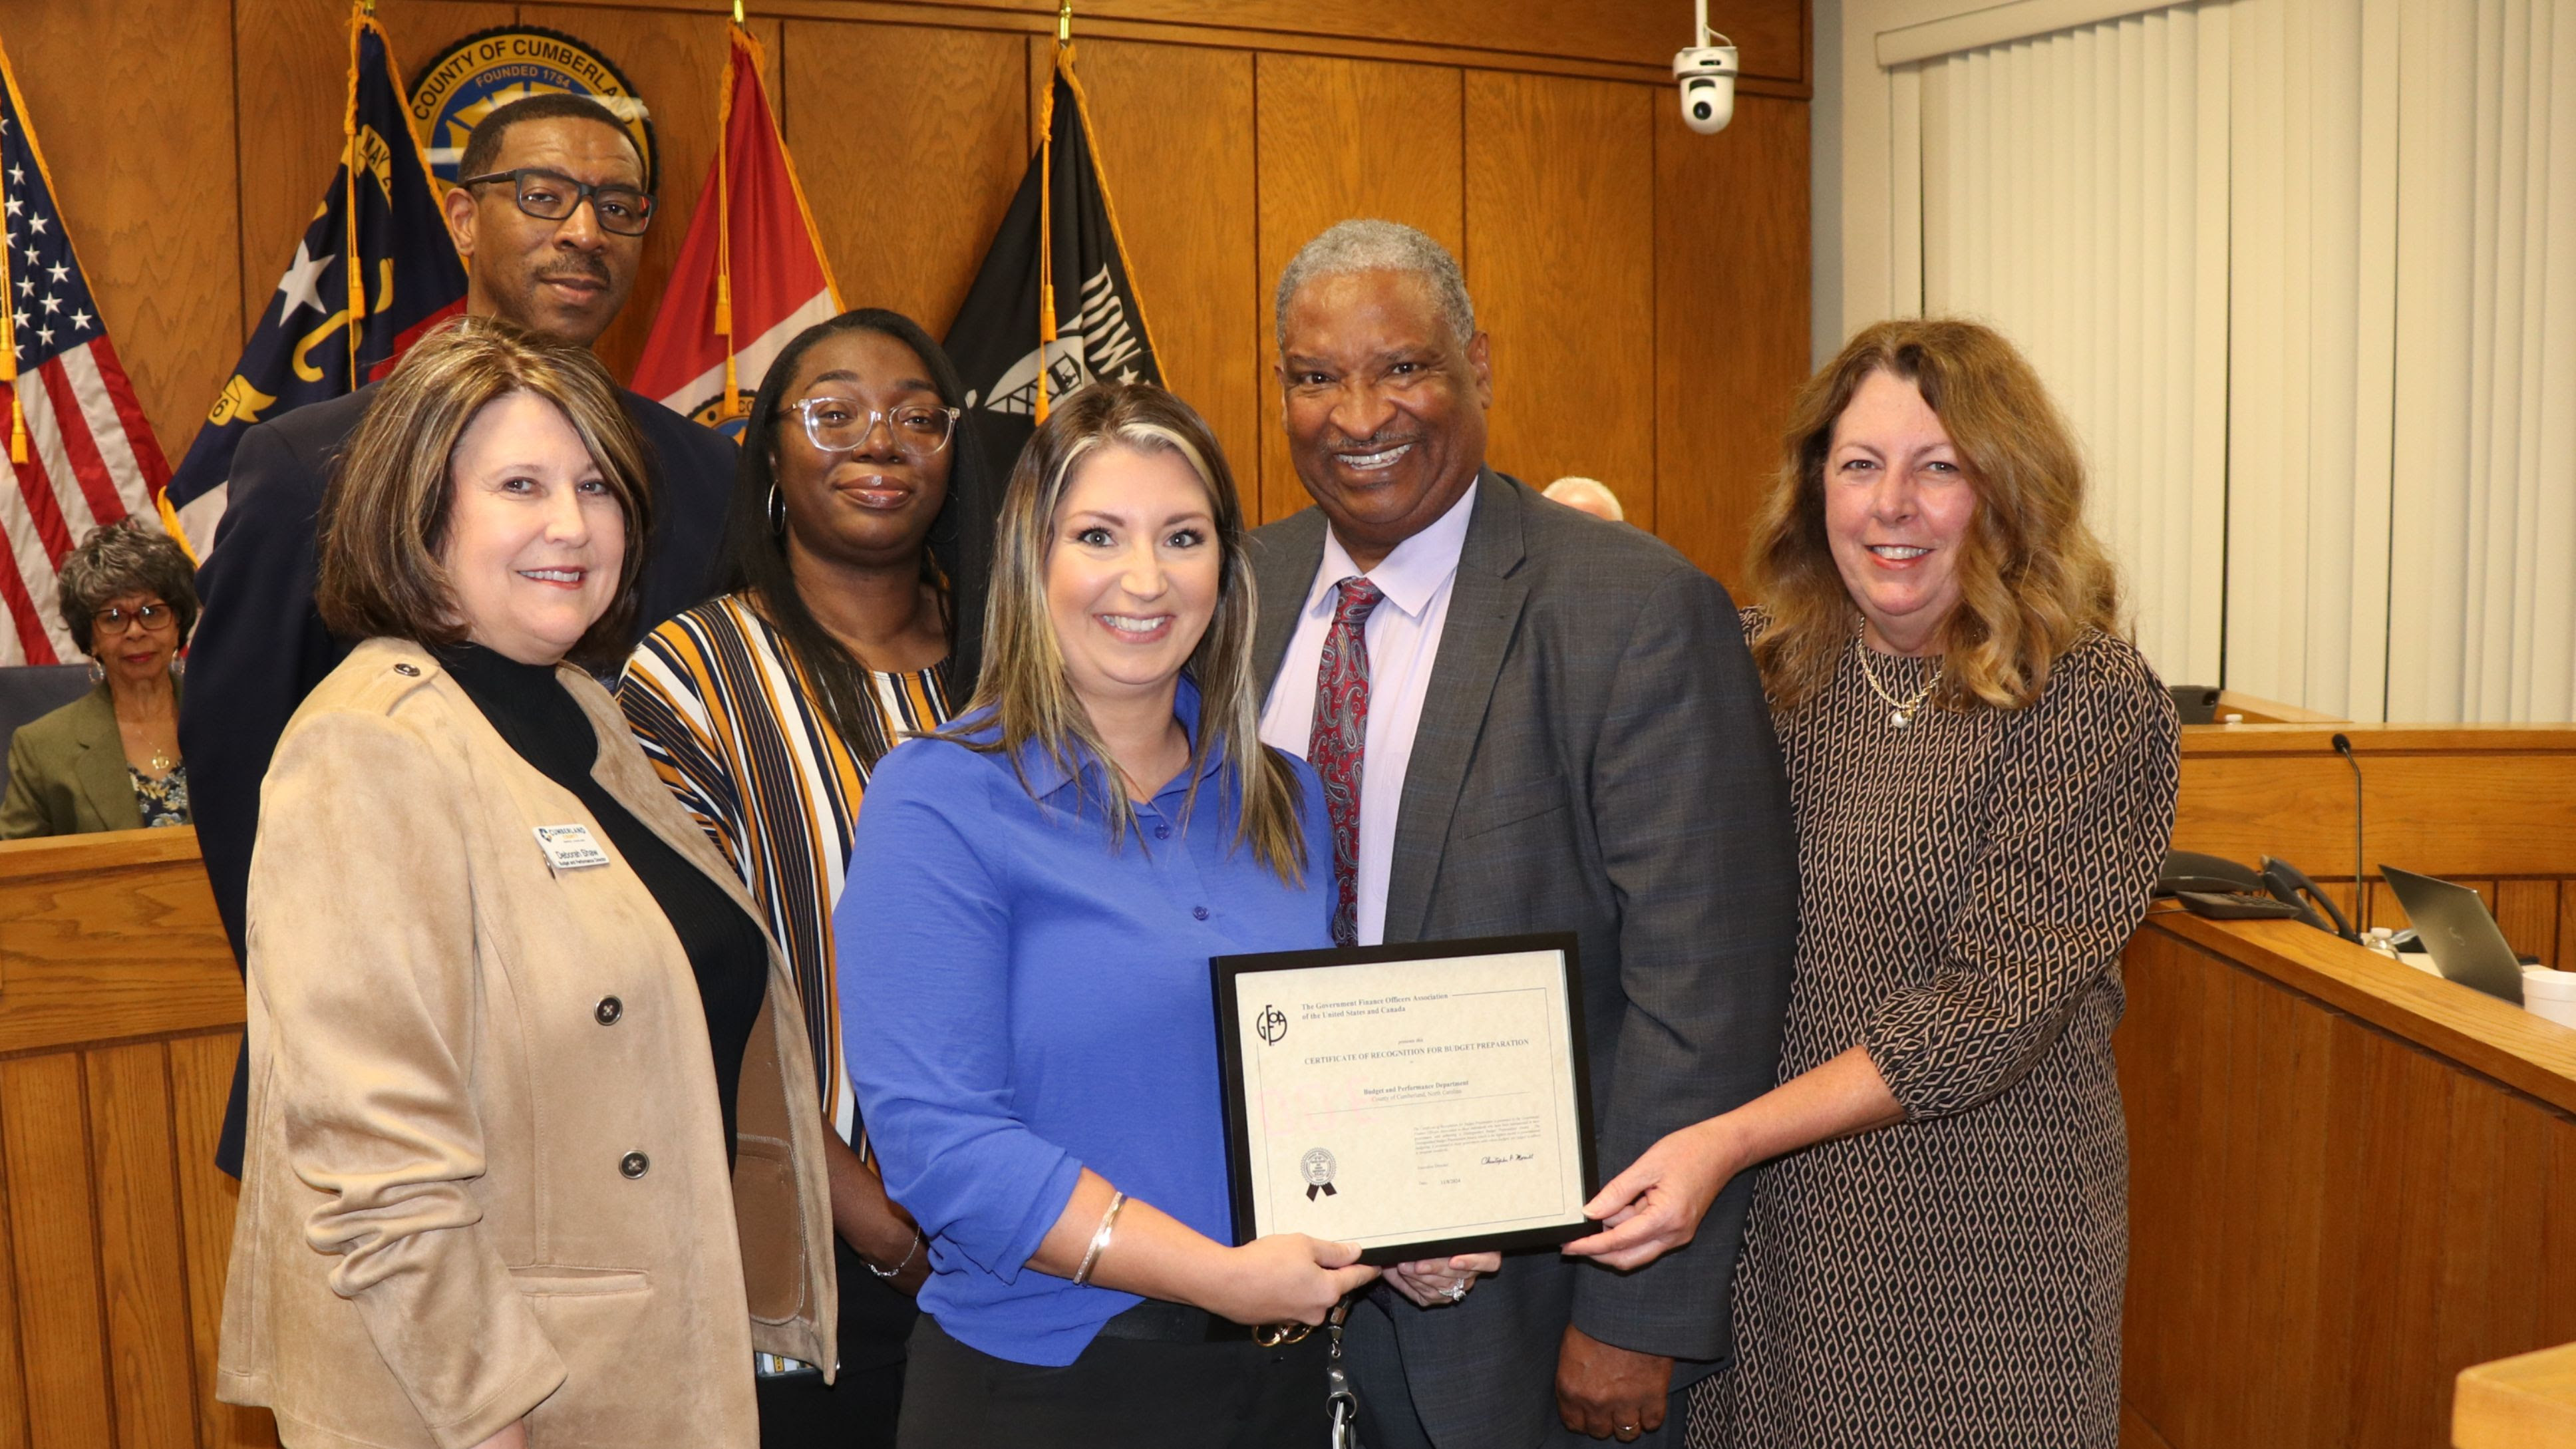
(1707, 75)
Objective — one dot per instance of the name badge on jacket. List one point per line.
(570, 847)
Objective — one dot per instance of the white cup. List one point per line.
(2550, 994)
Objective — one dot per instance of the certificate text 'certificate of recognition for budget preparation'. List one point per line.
(1417, 1100)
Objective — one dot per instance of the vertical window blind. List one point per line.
(2312, 310)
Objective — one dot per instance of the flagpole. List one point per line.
(1046, 204)
(726, 404)
(8, 308)
(359, 14)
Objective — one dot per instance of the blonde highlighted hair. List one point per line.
(1024, 680)
(2032, 577)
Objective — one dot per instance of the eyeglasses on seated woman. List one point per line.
(110, 760)
(534, 1152)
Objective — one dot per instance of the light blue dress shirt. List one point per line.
(1020, 999)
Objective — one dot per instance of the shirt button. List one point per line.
(634, 1165)
(407, 671)
(610, 1009)
(1162, 832)
(1199, 911)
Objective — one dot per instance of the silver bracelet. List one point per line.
(1099, 1239)
(899, 1267)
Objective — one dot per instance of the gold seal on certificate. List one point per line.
(1416, 1100)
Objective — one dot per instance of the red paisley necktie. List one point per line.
(1340, 738)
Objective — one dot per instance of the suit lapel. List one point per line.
(1484, 613)
(101, 766)
(1285, 557)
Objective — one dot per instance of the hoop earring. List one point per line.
(777, 513)
(97, 672)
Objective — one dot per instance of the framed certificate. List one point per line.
(1417, 1100)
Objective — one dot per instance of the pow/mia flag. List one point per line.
(998, 340)
(324, 331)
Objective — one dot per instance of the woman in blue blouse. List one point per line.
(1024, 983)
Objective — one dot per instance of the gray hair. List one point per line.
(1364, 245)
(123, 558)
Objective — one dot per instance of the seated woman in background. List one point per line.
(1983, 772)
(109, 760)
(853, 596)
(535, 1156)
(1025, 984)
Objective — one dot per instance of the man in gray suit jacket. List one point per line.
(1528, 720)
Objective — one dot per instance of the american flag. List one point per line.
(89, 455)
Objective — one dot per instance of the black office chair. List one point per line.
(30, 690)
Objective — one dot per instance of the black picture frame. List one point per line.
(1225, 972)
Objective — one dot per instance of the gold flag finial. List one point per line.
(1064, 22)
(737, 12)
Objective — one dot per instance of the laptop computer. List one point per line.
(2454, 926)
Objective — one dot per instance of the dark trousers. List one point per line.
(799, 1411)
(1387, 1419)
(1120, 1394)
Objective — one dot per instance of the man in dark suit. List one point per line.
(1527, 720)
(262, 646)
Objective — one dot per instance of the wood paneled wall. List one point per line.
(2327, 1220)
(120, 1013)
(1646, 288)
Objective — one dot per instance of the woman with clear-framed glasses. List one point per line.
(109, 760)
(851, 615)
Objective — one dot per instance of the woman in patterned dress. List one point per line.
(855, 555)
(1983, 773)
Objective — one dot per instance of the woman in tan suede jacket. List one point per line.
(535, 1153)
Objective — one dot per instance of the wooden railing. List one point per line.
(120, 1013)
(2489, 806)
(2345, 1180)
(2347, 1177)
(2524, 1402)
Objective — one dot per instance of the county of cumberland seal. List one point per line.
(467, 80)
(1318, 1166)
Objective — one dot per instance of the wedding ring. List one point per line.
(1455, 1292)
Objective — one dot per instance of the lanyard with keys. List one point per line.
(1339, 1401)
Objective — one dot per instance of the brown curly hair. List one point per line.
(2032, 577)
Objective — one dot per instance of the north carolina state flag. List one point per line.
(751, 274)
(374, 272)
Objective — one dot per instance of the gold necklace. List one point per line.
(1901, 711)
(162, 760)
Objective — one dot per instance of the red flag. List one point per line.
(751, 275)
(79, 454)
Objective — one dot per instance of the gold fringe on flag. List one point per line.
(1046, 218)
(727, 406)
(359, 23)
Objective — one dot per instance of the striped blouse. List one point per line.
(730, 722)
